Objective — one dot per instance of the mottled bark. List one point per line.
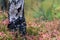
(16, 16)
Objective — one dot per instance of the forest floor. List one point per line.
(49, 30)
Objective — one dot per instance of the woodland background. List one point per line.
(42, 18)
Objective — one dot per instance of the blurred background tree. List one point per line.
(3, 4)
